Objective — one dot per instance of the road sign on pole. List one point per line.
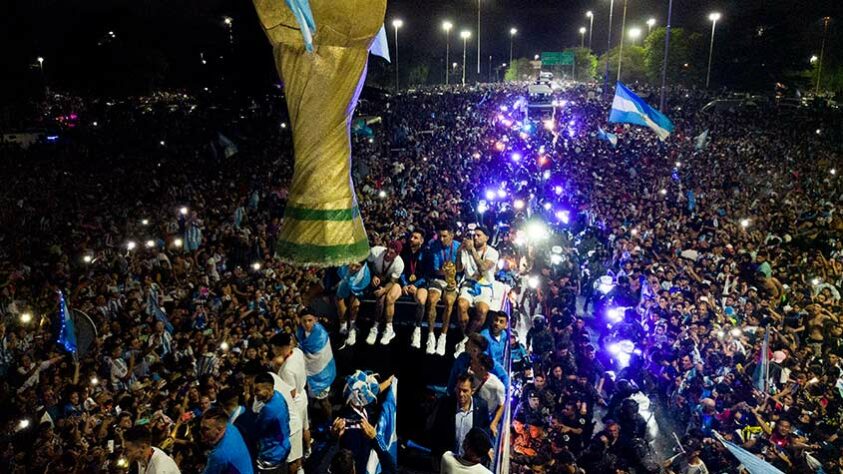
(557, 58)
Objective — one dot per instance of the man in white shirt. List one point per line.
(386, 267)
(290, 362)
(490, 388)
(475, 447)
(477, 262)
(137, 442)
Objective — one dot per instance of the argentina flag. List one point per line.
(67, 331)
(319, 360)
(387, 433)
(153, 307)
(629, 108)
(750, 462)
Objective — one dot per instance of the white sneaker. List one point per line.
(352, 337)
(440, 345)
(373, 335)
(460, 348)
(415, 342)
(430, 348)
(388, 335)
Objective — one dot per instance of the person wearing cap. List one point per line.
(475, 448)
(386, 267)
(477, 262)
(137, 444)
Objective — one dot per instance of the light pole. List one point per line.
(447, 25)
(478, 40)
(634, 34)
(229, 22)
(713, 17)
(608, 46)
(620, 51)
(666, 54)
(40, 60)
(822, 51)
(590, 16)
(582, 37)
(650, 24)
(465, 35)
(396, 24)
(512, 33)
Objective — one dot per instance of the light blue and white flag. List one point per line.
(629, 108)
(701, 141)
(606, 136)
(752, 463)
(759, 377)
(67, 330)
(380, 45)
(319, 360)
(387, 433)
(153, 308)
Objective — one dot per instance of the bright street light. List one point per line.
(590, 17)
(650, 24)
(713, 17)
(397, 23)
(512, 33)
(465, 35)
(634, 34)
(447, 26)
(814, 59)
(582, 37)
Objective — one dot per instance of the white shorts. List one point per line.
(485, 296)
(296, 446)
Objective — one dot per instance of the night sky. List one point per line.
(167, 37)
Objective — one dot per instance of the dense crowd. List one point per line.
(711, 247)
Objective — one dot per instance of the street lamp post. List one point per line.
(478, 40)
(713, 17)
(512, 32)
(608, 45)
(40, 60)
(582, 37)
(822, 52)
(229, 22)
(650, 24)
(447, 25)
(590, 16)
(465, 35)
(666, 55)
(634, 34)
(620, 50)
(396, 24)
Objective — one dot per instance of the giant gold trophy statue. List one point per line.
(322, 63)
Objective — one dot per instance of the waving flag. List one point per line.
(701, 140)
(67, 331)
(319, 360)
(759, 377)
(153, 308)
(629, 108)
(387, 433)
(606, 136)
(752, 463)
